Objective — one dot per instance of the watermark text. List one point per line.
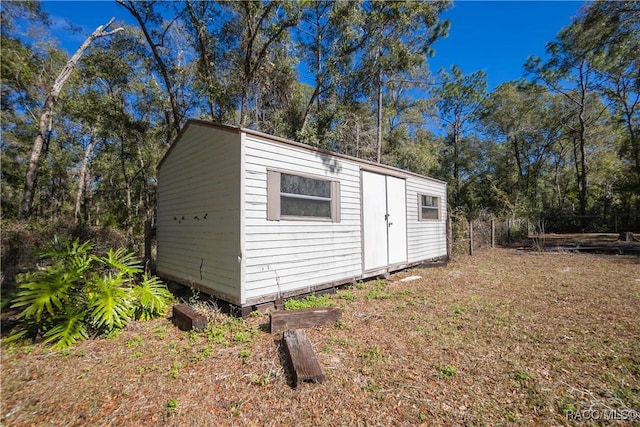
(604, 415)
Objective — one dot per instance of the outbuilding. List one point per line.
(250, 218)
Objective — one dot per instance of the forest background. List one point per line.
(559, 147)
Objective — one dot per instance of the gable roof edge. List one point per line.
(184, 129)
(366, 164)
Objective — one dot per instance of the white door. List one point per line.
(396, 220)
(384, 220)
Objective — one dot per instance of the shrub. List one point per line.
(80, 294)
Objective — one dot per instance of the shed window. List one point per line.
(429, 207)
(293, 196)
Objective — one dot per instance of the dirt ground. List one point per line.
(505, 337)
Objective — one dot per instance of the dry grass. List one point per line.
(501, 338)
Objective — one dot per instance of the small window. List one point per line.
(429, 207)
(291, 196)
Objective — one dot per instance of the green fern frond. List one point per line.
(64, 248)
(66, 333)
(151, 298)
(44, 290)
(81, 293)
(109, 303)
(80, 263)
(123, 261)
(25, 329)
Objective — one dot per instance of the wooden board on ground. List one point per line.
(185, 318)
(302, 360)
(410, 278)
(304, 318)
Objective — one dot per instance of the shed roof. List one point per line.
(369, 165)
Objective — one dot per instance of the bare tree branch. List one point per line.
(46, 117)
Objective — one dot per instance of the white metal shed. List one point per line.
(248, 217)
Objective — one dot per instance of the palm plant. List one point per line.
(80, 294)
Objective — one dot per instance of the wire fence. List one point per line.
(467, 235)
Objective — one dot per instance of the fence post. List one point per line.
(493, 233)
(449, 238)
(470, 237)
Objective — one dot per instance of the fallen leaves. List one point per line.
(529, 337)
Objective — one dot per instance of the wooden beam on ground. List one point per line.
(185, 318)
(410, 278)
(301, 358)
(627, 236)
(304, 318)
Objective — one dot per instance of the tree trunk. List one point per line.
(243, 105)
(456, 162)
(315, 96)
(357, 140)
(204, 57)
(635, 149)
(83, 174)
(583, 169)
(175, 110)
(255, 47)
(44, 125)
(32, 168)
(127, 188)
(379, 118)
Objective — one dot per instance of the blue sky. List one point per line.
(494, 36)
(498, 36)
